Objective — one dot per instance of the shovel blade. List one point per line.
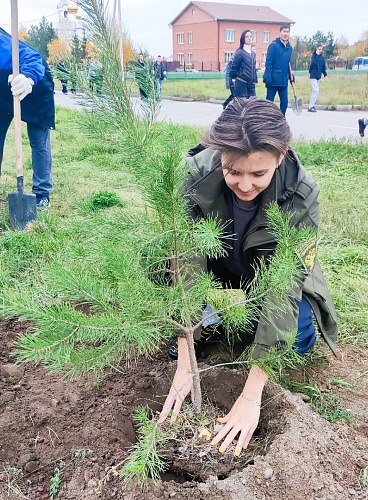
(22, 209)
(297, 106)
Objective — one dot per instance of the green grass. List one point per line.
(326, 403)
(91, 184)
(337, 89)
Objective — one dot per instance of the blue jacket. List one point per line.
(244, 66)
(160, 70)
(317, 66)
(277, 72)
(228, 79)
(37, 107)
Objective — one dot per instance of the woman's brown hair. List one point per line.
(249, 125)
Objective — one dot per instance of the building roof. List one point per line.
(337, 59)
(236, 12)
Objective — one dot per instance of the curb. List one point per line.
(321, 107)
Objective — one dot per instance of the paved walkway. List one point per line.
(311, 126)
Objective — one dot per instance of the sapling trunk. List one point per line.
(197, 393)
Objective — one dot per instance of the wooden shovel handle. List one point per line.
(291, 80)
(16, 101)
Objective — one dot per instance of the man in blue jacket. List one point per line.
(35, 88)
(316, 69)
(278, 72)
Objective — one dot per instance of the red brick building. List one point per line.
(206, 34)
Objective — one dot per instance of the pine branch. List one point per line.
(145, 461)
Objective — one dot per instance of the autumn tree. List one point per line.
(128, 50)
(345, 50)
(23, 34)
(58, 51)
(40, 36)
(301, 54)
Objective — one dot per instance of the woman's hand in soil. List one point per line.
(244, 415)
(243, 418)
(181, 386)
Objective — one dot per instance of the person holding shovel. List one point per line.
(244, 165)
(35, 88)
(277, 71)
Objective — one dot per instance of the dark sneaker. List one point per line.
(312, 110)
(210, 333)
(361, 127)
(43, 203)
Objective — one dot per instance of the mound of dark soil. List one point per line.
(296, 455)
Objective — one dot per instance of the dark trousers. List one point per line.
(283, 94)
(229, 99)
(243, 89)
(64, 84)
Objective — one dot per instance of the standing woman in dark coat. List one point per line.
(243, 69)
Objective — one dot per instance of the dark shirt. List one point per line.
(241, 218)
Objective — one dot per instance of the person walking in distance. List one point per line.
(317, 68)
(243, 68)
(230, 84)
(362, 123)
(160, 74)
(277, 71)
(142, 76)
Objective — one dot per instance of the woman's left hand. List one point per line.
(243, 418)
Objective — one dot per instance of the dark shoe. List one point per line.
(43, 203)
(209, 334)
(361, 127)
(312, 110)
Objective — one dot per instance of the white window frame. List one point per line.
(190, 59)
(180, 38)
(266, 37)
(264, 55)
(190, 36)
(228, 56)
(181, 59)
(229, 35)
(254, 36)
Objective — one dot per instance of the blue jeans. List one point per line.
(40, 142)
(158, 87)
(306, 336)
(283, 94)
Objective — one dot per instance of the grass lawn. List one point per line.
(82, 221)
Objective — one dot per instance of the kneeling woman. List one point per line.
(245, 165)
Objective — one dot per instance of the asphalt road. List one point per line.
(311, 126)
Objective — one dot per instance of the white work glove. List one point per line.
(21, 85)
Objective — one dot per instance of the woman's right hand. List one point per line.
(181, 386)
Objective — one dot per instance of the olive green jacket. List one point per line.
(294, 190)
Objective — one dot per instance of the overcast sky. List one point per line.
(147, 20)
